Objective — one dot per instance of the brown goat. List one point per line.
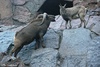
(71, 13)
(33, 31)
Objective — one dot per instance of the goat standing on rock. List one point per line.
(33, 31)
(71, 13)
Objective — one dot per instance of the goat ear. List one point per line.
(60, 5)
(64, 6)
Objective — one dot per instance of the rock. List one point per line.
(59, 24)
(51, 39)
(26, 52)
(9, 61)
(93, 55)
(34, 5)
(5, 9)
(44, 58)
(5, 28)
(30, 6)
(74, 61)
(18, 2)
(74, 42)
(95, 20)
(6, 38)
(21, 14)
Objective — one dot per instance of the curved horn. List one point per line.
(39, 16)
(44, 17)
(64, 6)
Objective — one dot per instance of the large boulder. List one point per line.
(21, 14)
(59, 24)
(73, 48)
(93, 55)
(51, 39)
(6, 38)
(5, 9)
(74, 61)
(74, 42)
(9, 61)
(44, 58)
(34, 5)
(26, 52)
(95, 20)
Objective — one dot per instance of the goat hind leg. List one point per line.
(17, 51)
(13, 50)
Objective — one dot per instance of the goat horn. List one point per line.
(44, 17)
(64, 6)
(39, 16)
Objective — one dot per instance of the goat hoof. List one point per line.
(35, 48)
(44, 46)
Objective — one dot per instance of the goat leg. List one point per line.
(41, 42)
(70, 26)
(37, 44)
(13, 50)
(17, 51)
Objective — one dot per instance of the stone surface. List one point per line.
(9, 61)
(34, 5)
(19, 2)
(44, 58)
(6, 38)
(51, 39)
(26, 52)
(5, 9)
(21, 14)
(5, 28)
(93, 55)
(74, 61)
(59, 24)
(95, 20)
(74, 42)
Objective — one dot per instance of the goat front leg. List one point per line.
(70, 26)
(41, 42)
(37, 44)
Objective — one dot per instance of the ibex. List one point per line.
(71, 13)
(35, 30)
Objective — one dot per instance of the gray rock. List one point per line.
(30, 6)
(74, 42)
(94, 20)
(93, 56)
(5, 9)
(26, 52)
(44, 58)
(34, 5)
(6, 38)
(19, 2)
(74, 61)
(51, 39)
(21, 14)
